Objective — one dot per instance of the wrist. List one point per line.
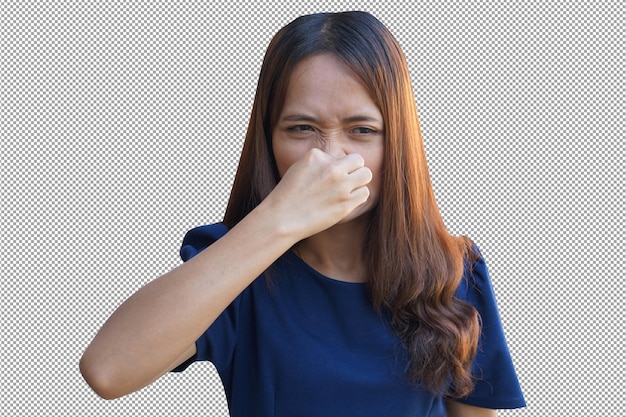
(276, 227)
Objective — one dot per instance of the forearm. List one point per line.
(160, 323)
(150, 330)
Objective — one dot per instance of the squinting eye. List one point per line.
(300, 128)
(363, 130)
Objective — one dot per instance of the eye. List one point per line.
(363, 131)
(300, 128)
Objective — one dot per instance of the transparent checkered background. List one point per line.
(121, 126)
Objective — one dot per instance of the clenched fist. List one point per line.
(318, 191)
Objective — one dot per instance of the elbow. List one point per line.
(99, 378)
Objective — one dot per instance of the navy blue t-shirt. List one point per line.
(308, 345)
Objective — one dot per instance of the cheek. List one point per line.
(375, 164)
(286, 154)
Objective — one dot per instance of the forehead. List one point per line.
(326, 84)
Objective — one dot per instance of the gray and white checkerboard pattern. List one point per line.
(122, 122)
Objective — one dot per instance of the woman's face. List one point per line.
(327, 106)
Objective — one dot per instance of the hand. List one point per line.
(318, 191)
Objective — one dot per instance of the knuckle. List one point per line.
(335, 172)
(369, 175)
(312, 154)
(365, 193)
(357, 158)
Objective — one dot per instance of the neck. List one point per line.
(338, 251)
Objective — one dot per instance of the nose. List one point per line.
(335, 144)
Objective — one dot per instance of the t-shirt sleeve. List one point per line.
(217, 343)
(496, 382)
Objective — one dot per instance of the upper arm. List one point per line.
(457, 409)
(183, 357)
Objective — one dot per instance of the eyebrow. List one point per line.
(350, 119)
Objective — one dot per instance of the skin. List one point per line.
(327, 108)
(328, 114)
(328, 146)
(172, 311)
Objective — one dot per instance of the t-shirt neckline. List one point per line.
(323, 277)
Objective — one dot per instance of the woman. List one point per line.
(366, 306)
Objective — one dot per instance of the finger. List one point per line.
(361, 176)
(360, 195)
(352, 162)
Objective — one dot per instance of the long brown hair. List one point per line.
(415, 264)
